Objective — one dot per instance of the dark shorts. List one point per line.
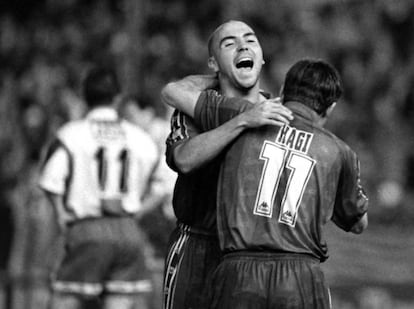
(267, 281)
(103, 255)
(191, 260)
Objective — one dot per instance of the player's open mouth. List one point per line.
(244, 63)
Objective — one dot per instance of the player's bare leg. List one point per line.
(65, 301)
(125, 302)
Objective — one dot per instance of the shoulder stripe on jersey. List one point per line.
(184, 129)
(179, 127)
(51, 149)
(68, 181)
(54, 146)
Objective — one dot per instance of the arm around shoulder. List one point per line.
(204, 147)
(183, 94)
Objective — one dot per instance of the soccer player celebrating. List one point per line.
(278, 187)
(236, 58)
(99, 180)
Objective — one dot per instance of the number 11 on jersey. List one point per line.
(104, 162)
(278, 160)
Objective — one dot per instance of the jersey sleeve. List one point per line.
(182, 129)
(213, 109)
(351, 201)
(55, 168)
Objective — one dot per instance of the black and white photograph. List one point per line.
(210, 154)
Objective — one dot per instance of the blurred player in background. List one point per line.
(141, 112)
(100, 174)
(278, 187)
(236, 58)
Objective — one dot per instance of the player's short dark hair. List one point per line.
(314, 83)
(212, 38)
(100, 86)
(210, 43)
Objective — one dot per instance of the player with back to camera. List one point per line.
(194, 250)
(278, 187)
(99, 181)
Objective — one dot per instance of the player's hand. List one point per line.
(361, 225)
(268, 112)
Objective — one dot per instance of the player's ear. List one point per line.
(212, 64)
(281, 92)
(330, 109)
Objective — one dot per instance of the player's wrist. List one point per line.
(242, 122)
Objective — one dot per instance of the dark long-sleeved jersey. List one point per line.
(278, 186)
(195, 193)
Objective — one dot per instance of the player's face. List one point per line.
(237, 54)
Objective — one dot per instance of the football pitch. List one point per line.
(377, 264)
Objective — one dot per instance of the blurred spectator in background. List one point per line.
(99, 179)
(140, 112)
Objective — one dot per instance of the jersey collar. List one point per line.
(266, 94)
(303, 111)
(103, 113)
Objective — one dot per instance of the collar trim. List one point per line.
(103, 113)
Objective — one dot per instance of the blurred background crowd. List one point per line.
(46, 46)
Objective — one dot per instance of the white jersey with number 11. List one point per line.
(100, 159)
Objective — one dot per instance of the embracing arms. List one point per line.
(184, 95)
